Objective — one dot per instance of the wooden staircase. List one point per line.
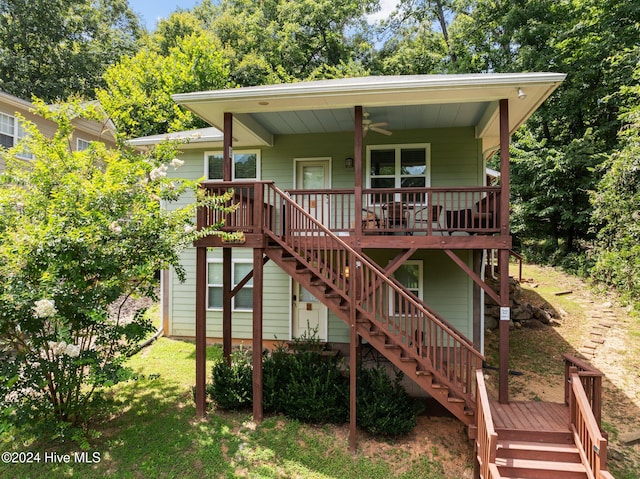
(538, 439)
(399, 325)
(548, 459)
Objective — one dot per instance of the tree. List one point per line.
(52, 49)
(138, 90)
(81, 234)
(419, 41)
(277, 41)
(617, 205)
(550, 191)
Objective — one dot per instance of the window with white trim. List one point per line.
(409, 274)
(82, 145)
(399, 166)
(243, 300)
(11, 132)
(246, 165)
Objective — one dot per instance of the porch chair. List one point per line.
(396, 216)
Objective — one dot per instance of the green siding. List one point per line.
(446, 287)
(456, 160)
(275, 308)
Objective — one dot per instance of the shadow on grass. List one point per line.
(286, 448)
(537, 353)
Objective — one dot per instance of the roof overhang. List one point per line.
(200, 138)
(405, 102)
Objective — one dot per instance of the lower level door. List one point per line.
(309, 315)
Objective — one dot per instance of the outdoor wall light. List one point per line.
(521, 94)
(348, 162)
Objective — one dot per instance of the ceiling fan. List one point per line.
(369, 125)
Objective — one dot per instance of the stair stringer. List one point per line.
(419, 369)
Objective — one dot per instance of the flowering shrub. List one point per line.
(81, 234)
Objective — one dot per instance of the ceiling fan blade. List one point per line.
(380, 130)
(378, 124)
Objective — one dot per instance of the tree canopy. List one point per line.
(51, 49)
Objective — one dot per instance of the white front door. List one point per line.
(310, 316)
(314, 174)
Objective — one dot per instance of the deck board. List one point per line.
(530, 416)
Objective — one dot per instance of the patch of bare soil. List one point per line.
(437, 438)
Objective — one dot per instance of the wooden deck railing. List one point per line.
(487, 438)
(420, 211)
(407, 322)
(429, 211)
(251, 208)
(589, 440)
(591, 380)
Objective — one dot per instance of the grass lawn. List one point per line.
(153, 433)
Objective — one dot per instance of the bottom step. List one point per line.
(526, 468)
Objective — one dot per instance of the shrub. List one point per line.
(232, 386)
(383, 406)
(81, 234)
(306, 386)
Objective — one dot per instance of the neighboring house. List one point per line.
(368, 212)
(11, 130)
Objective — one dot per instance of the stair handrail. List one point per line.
(340, 282)
(591, 379)
(588, 438)
(487, 438)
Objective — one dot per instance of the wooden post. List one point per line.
(505, 314)
(258, 281)
(201, 331)
(353, 354)
(357, 170)
(226, 304)
(227, 145)
(227, 165)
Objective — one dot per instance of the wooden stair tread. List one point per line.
(533, 464)
(536, 446)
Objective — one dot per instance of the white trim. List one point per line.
(409, 262)
(349, 86)
(319, 159)
(256, 152)
(234, 261)
(398, 147)
(78, 140)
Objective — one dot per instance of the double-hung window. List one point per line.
(82, 144)
(398, 166)
(243, 300)
(409, 274)
(246, 165)
(11, 132)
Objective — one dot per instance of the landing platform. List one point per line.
(533, 416)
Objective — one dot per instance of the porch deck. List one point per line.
(434, 217)
(531, 417)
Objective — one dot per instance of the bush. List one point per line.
(383, 406)
(316, 390)
(312, 388)
(232, 386)
(82, 234)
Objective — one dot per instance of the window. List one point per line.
(11, 132)
(246, 165)
(243, 300)
(409, 274)
(398, 166)
(82, 144)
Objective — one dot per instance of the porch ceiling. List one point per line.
(404, 102)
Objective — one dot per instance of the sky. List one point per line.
(152, 10)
